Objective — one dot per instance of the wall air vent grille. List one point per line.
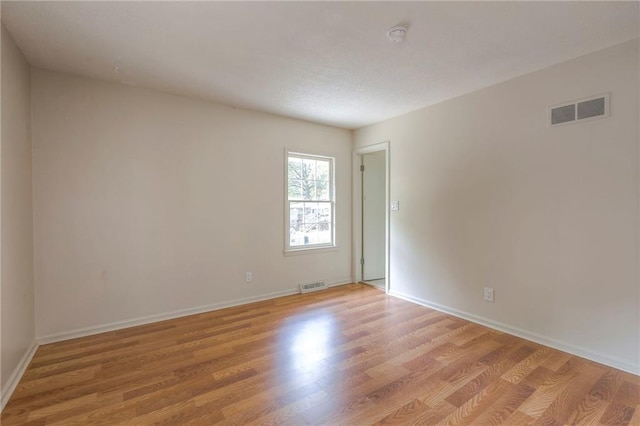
(563, 114)
(583, 109)
(306, 288)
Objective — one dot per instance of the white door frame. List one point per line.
(357, 210)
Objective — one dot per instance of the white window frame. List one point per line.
(288, 249)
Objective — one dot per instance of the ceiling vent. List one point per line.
(580, 110)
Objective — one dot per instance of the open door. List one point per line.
(373, 201)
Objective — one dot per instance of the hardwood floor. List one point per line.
(349, 355)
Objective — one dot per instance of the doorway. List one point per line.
(371, 215)
(373, 218)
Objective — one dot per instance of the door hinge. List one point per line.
(362, 261)
(362, 168)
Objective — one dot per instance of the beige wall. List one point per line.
(148, 203)
(491, 196)
(17, 306)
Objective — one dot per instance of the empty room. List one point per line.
(326, 213)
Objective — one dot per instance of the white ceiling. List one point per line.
(327, 62)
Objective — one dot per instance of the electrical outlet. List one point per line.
(488, 294)
(248, 277)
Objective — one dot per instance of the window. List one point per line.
(310, 198)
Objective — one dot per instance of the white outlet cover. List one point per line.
(488, 294)
(249, 277)
(395, 205)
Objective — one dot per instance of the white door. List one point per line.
(373, 215)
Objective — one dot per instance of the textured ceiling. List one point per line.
(327, 62)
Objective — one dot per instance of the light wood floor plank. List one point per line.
(350, 355)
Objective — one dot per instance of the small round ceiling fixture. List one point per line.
(397, 33)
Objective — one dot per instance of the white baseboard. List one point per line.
(337, 283)
(119, 325)
(15, 377)
(527, 335)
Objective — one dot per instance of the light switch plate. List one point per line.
(395, 205)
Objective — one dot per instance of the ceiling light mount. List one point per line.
(397, 33)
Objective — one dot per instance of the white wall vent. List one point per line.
(309, 287)
(580, 110)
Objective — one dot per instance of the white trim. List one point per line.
(119, 325)
(310, 250)
(528, 335)
(357, 210)
(17, 374)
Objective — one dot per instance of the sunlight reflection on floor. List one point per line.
(306, 341)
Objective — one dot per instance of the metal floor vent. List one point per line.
(309, 287)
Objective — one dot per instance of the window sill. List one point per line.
(309, 250)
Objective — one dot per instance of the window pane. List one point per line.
(324, 233)
(310, 213)
(309, 167)
(308, 234)
(308, 190)
(322, 190)
(322, 170)
(303, 234)
(324, 212)
(295, 168)
(296, 224)
(296, 235)
(295, 189)
(296, 214)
